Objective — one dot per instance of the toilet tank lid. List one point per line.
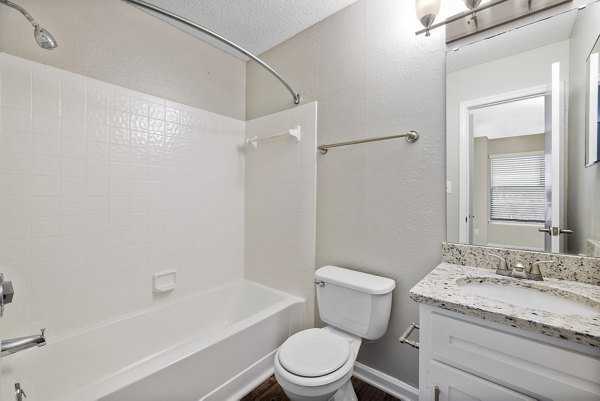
(359, 281)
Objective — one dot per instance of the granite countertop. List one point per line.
(441, 288)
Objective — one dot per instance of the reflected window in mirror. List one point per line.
(517, 188)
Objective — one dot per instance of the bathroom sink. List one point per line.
(526, 296)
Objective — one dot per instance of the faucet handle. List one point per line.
(535, 267)
(501, 269)
(502, 261)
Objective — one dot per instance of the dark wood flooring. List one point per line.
(270, 390)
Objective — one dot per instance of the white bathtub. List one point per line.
(211, 346)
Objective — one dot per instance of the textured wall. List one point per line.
(380, 206)
(583, 214)
(101, 186)
(115, 42)
(280, 205)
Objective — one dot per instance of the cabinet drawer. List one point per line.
(514, 361)
(456, 385)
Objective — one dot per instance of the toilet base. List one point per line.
(346, 393)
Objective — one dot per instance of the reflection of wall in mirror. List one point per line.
(583, 214)
(489, 79)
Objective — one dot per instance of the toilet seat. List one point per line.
(314, 353)
(344, 371)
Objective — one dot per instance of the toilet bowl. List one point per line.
(317, 364)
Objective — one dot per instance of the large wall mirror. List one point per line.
(518, 137)
(592, 126)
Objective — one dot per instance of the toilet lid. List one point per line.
(314, 353)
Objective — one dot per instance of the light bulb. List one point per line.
(472, 4)
(427, 10)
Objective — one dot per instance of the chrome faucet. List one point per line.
(15, 345)
(519, 270)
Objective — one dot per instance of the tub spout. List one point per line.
(15, 345)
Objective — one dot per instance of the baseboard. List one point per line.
(387, 383)
(244, 382)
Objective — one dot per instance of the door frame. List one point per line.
(465, 148)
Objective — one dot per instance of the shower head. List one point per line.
(43, 38)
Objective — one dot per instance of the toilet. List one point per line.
(317, 364)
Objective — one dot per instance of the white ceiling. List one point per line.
(516, 118)
(256, 25)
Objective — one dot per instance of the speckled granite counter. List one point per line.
(441, 288)
(565, 267)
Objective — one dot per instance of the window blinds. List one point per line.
(517, 188)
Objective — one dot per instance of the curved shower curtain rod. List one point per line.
(229, 43)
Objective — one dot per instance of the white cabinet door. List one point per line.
(449, 384)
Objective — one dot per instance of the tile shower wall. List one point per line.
(101, 186)
(281, 204)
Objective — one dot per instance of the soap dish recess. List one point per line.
(164, 281)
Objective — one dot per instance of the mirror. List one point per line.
(517, 125)
(592, 126)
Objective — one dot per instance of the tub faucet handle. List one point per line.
(19, 392)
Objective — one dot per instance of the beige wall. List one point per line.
(583, 214)
(380, 206)
(115, 42)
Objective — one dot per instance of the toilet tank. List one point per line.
(356, 302)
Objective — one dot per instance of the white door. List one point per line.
(450, 384)
(555, 181)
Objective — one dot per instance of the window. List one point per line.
(517, 188)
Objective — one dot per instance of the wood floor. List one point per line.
(270, 390)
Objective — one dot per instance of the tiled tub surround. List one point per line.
(565, 267)
(99, 187)
(280, 214)
(441, 288)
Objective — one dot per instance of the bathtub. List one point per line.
(211, 346)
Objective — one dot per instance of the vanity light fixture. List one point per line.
(427, 10)
(474, 20)
(472, 5)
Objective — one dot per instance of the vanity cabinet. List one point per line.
(453, 384)
(465, 358)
